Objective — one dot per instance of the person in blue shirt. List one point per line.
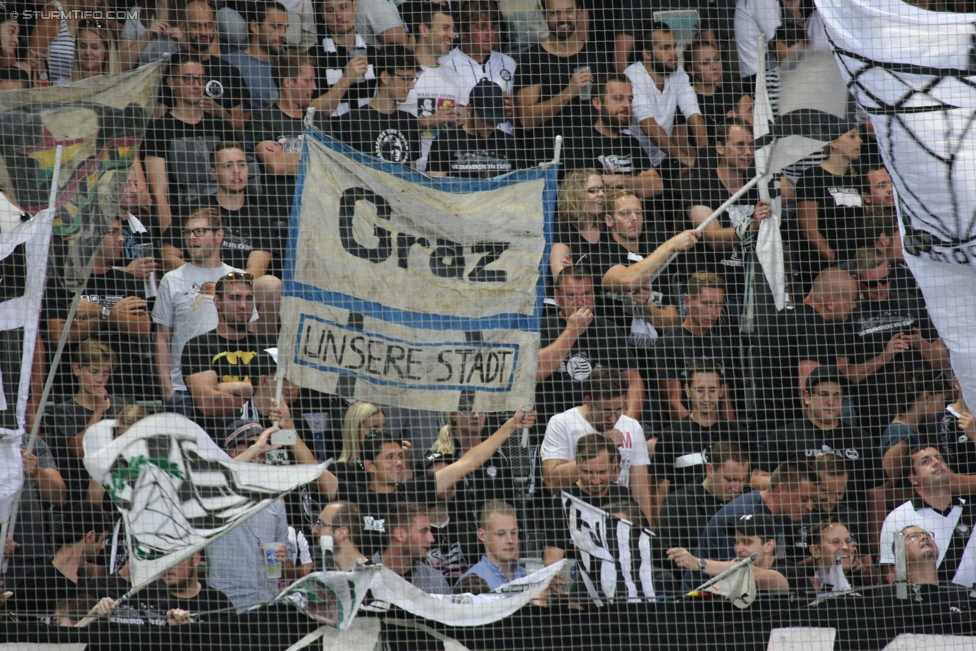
(498, 530)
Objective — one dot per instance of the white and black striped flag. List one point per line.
(613, 555)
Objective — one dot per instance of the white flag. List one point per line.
(177, 491)
(330, 597)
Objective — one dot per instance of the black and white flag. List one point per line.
(614, 556)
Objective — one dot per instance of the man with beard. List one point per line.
(608, 146)
(661, 87)
(344, 62)
(555, 79)
(226, 91)
(268, 23)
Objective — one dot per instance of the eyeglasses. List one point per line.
(874, 284)
(321, 525)
(197, 232)
(115, 232)
(411, 78)
(191, 80)
(919, 536)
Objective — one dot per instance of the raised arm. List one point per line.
(473, 459)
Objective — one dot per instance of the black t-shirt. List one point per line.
(556, 532)
(679, 349)
(840, 213)
(455, 152)
(207, 600)
(682, 450)
(230, 360)
(223, 84)
(552, 74)
(580, 250)
(393, 137)
(603, 344)
(186, 148)
(957, 449)
(38, 593)
(707, 190)
(273, 124)
(247, 230)
(801, 440)
(716, 106)
(588, 148)
(375, 507)
(330, 64)
(683, 516)
(133, 376)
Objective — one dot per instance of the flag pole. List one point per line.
(10, 524)
(718, 211)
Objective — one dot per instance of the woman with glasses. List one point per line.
(454, 517)
(581, 204)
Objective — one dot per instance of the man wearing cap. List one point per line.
(754, 534)
(790, 496)
(478, 149)
(607, 145)
(215, 364)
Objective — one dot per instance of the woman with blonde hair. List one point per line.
(581, 203)
(361, 419)
(95, 52)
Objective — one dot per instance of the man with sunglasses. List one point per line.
(881, 315)
(216, 365)
(934, 509)
(185, 306)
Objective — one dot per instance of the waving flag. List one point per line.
(176, 490)
(100, 122)
(410, 291)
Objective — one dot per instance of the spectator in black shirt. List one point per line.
(956, 434)
(380, 129)
(79, 541)
(686, 512)
(607, 144)
(719, 97)
(178, 145)
(918, 399)
(573, 342)
(582, 198)
(113, 310)
(682, 449)
(277, 132)
(226, 91)
(697, 339)
(555, 78)
(730, 238)
(344, 61)
(215, 365)
(478, 149)
(626, 259)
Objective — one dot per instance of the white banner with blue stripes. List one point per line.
(410, 291)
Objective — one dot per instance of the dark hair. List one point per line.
(792, 473)
(909, 386)
(347, 516)
(701, 366)
(494, 506)
(724, 128)
(224, 146)
(722, 451)
(392, 58)
(257, 12)
(630, 510)
(289, 66)
(415, 13)
(816, 532)
(877, 225)
(374, 442)
(915, 449)
(401, 514)
(591, 445)
(649, 29)
(78, 520)
(831, 465)
(604, 384)
(180, 59)
(472, 11)
(571, 273)
(600, 89)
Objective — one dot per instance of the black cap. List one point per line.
(488, 101)
(753, 524)
(240, 431)
(823, 374)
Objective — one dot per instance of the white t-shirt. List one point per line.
(649, 102)
(927, 518)
(498, 67)
(566, 429)
(375, 17)
(182, 307)
(752, 18)
(435, 88)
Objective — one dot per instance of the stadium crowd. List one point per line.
(809, 440)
